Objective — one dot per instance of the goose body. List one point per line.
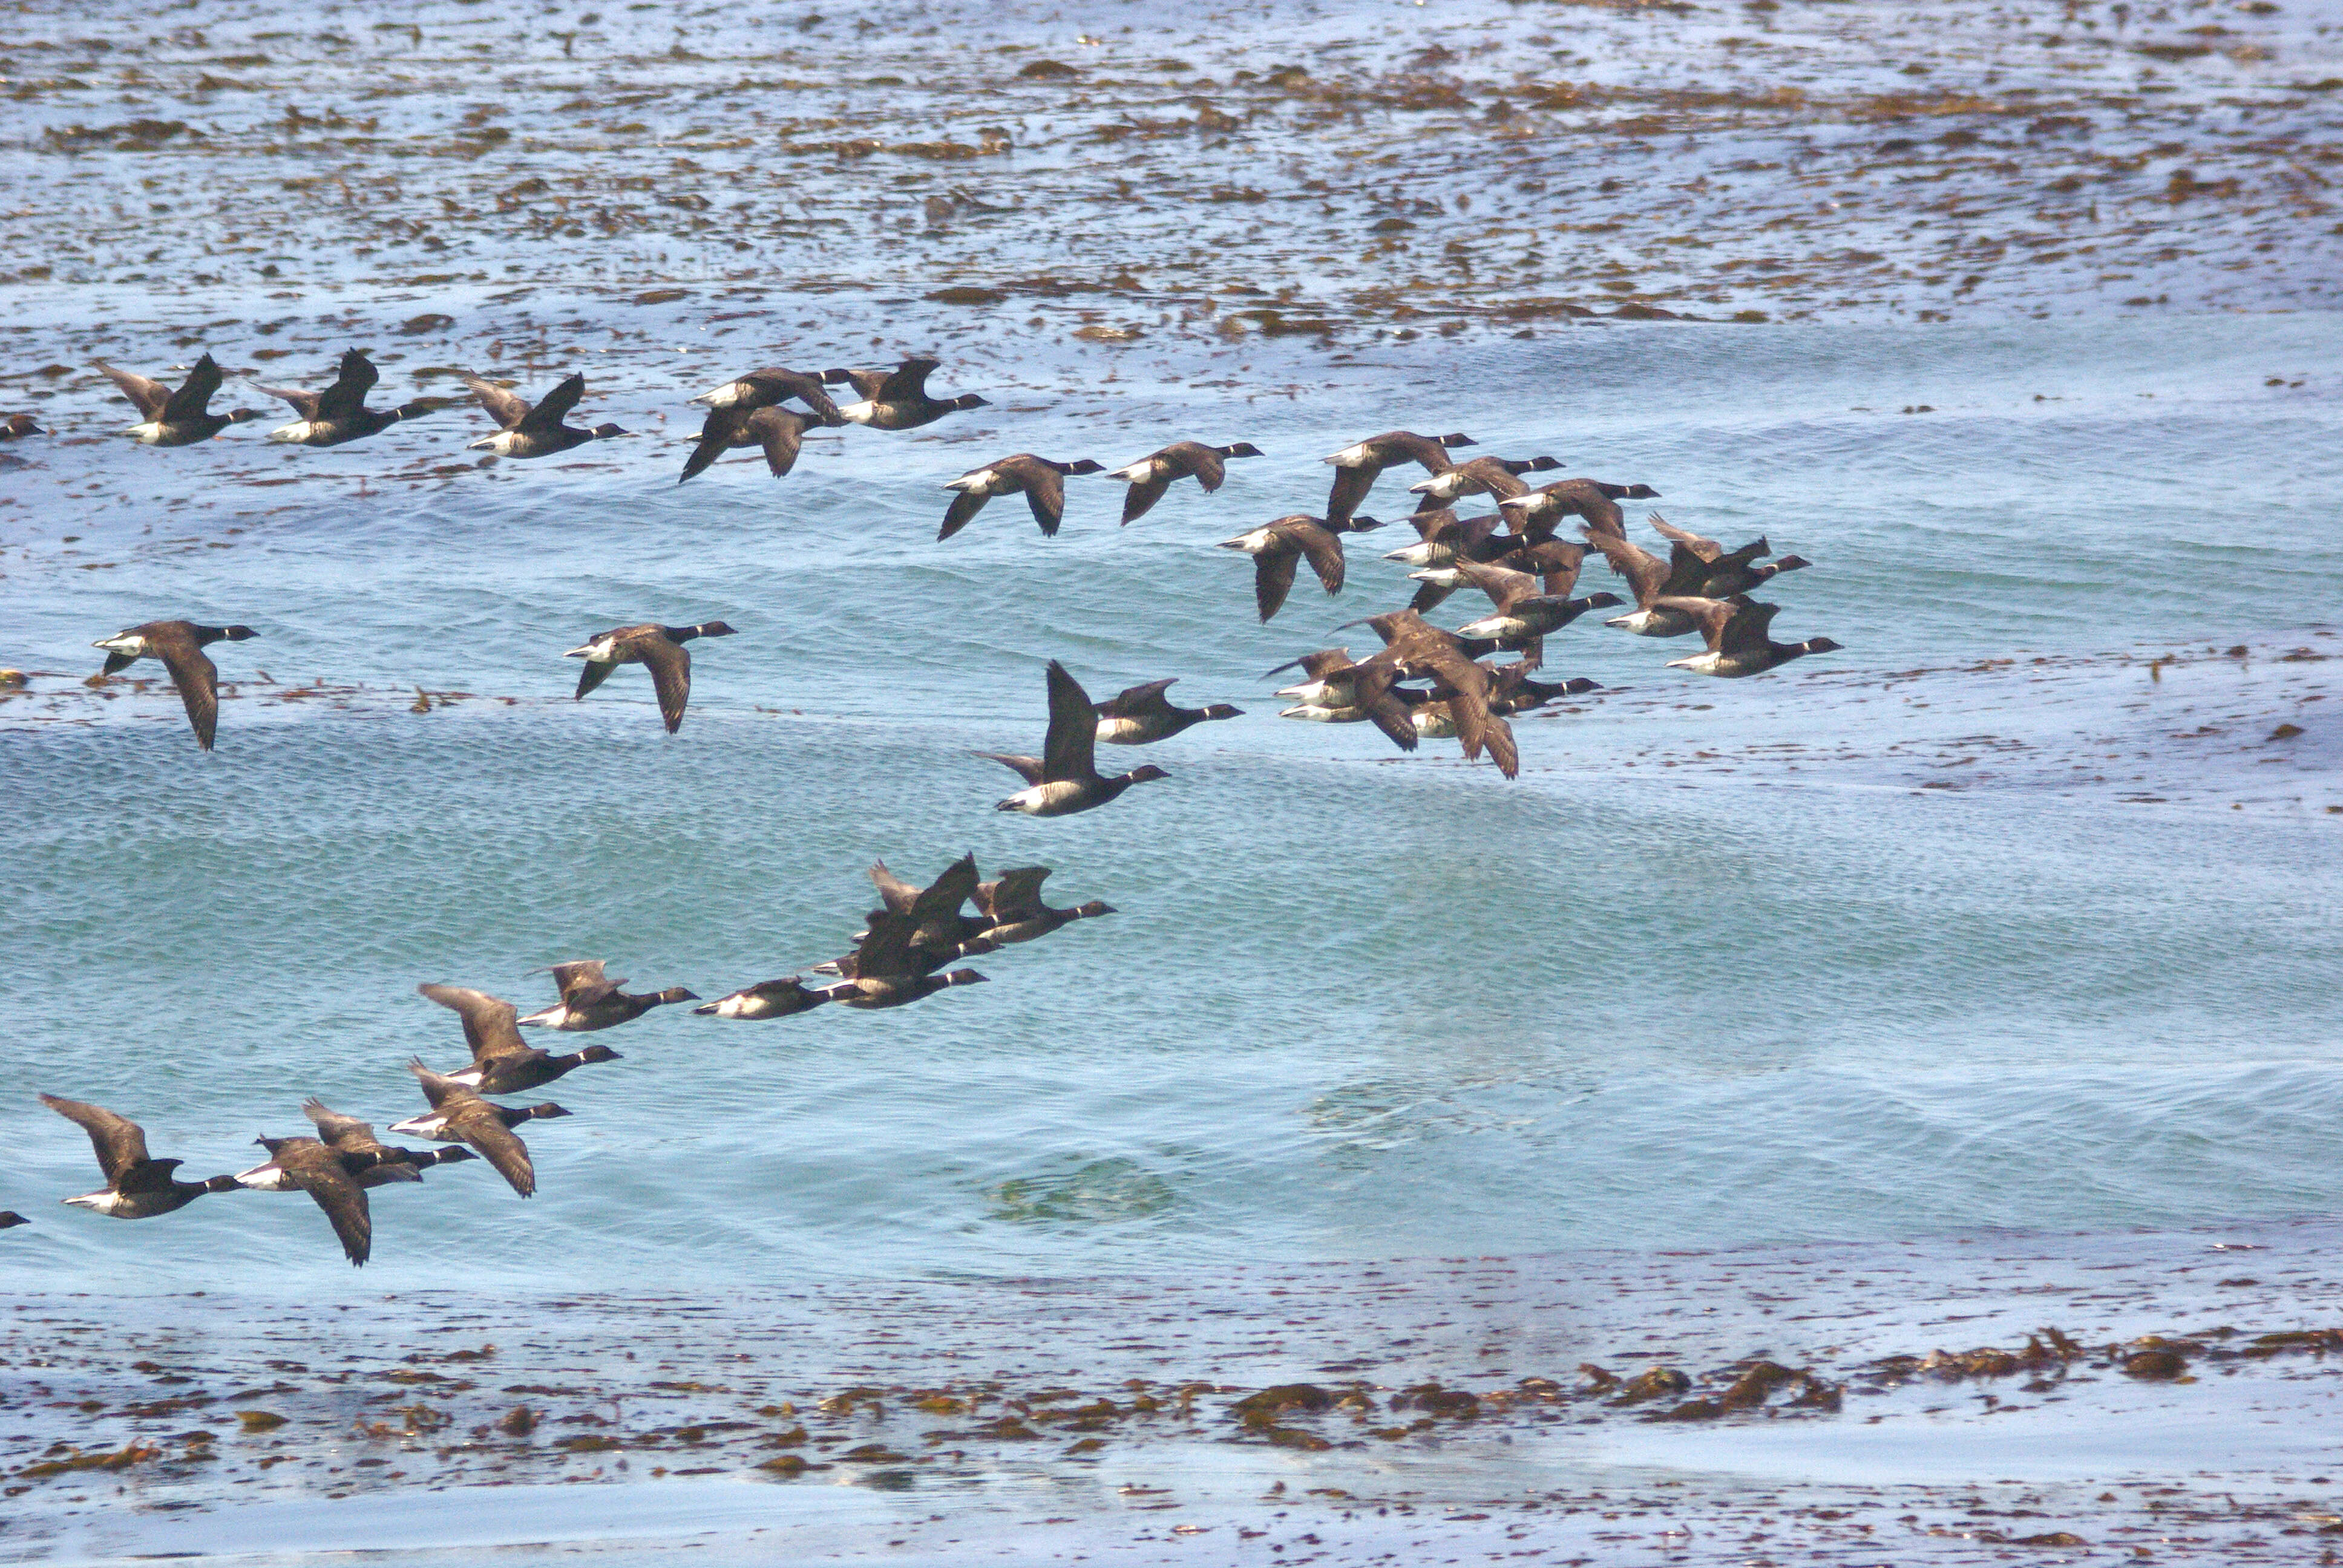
(778, 433)
(1596, 501)
(339, 414)
(1359, 465)
(459, 1115)
(1663, 590)
(537, 429)
(592, 1001)
(1153, 476)
(1721, 573)
(1279, 548)
(659, 649)
(330, 1178)
(783, 998)
(1738, 643)
(764, 388)
(502, 1061)
(180, 417)
(1480, 477)
(897, 399)
(1041, 482)
(1014, 906)
(1142, 715)
(137, 1186)
(13, 426)
(1065, 779)
(178, 646)
(1522, 609)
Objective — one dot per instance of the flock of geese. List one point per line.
(1425, 682)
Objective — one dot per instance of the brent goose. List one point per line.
(137, 1187)
(1340, 692)
(736, 427)
(1152, 476)
(939, 932)
(1524, 609)
(1065, 778)
(898, 399)
(503, 1063)
(1140, 715)
(1279, 548)
(1041, 482)
(1652, 581)
(305, 1165)
(1538, 511)
(1482, 476)
(1014, 905)
(659, 648)
(10, 1220)
(1441, 537)
(1729, 572)
(11, 426)
(780, 998)
(457, 1115)
(592, 999)
(534, 430)
(339, 413)
(1423, 650)
(896, 960)
(1356, 468)
(178, 646)
(1735, 631)
(179, 419)
(763, 388)
(348, 1135)
(1511, 691)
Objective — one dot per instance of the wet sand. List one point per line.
(1935, 1402)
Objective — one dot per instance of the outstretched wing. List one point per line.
(779, 432)
(348, 394)
(120, 1143)
(907, 381)
(197, 678)
(671, 667)
(504, 408)
(964, 507)
(194, 394)
(1137, 701)
(1045, 493)
(1323, 549)
(150, 396)
(555, 405)
(1072, 750)
(1706, 549)
(1028, 768)
(490, 1026)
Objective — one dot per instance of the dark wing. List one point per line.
(965, 505)
(348, 394)
(718, 434)
(1272, 577)
(151, 397)
(1643, 573)
(305, 403)
(1138, 701)
(935, 913)
(1072, 750)
(1017, 896)
(342, 1132)
(1351, 486)
(1029, 769)
(489, 1026)
(1505, 589)
(317, 1171)
(504, 408)
(438, 1091)
(1144, 494)
(897, 894)
(1371, 691)
(907, 381)
(583, 979)
(554, 407)
(1203, 462)
(671, 668)
(1045, 492)
(1325, 550)
(1706, 549)
(779, 432)
(1557, 562)
(477, 1123)
(194, 394)
(1496, 479)
(120, 1143)
(885, 951)
(1709, 614)
(197, 678)
(1746, 629)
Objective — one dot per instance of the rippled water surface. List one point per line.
(1900, 940)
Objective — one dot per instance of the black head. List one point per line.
(1146, 774)
(1094, 909)
(604, 432)
(1639, 493)
(1541, 464)
(1791, 563)
(970, 400)
(1242, 449)
(238, 633)
(715, 629)
(1458, 441)
(1222, 711)
(10, 1220)
(221, 1183)
(963, 977)
(239, 415)
(1602, 601)
(1081, 466)
(597, 1053)
(1578, 683)
(676, 993)
(1821, 645)
(455, 1154)
(548, 1110)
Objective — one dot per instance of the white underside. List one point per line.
(723, 396)
(1352, 457)
(501, 443)
(554, 1017)
(1704, 664)
(858, 413)
(269, 1178)
(150, 432)
(104, 1201)
(433, 1126)
(1651, 623)
(297, 432)
(1120, 731)
(1495, 626)
(1312, 713)
(1044, 799)
(1252, 544)
(1415, 556)
(1145, 468)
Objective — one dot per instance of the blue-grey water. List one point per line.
(1352, 1005)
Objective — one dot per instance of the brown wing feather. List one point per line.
(318, 1170)
(197, 678)
(149, 396)
(507, 408)
(1045, 493)
(671, 667)
(476, 1122)
(1350, 488)
(120, 1143)
(1071, 752)
(489, 1029)
(554, 407)
(780, 433)
(1324, 551)
(1272, 579)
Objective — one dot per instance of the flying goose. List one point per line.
(178, 646)
(591, 1000)
(502, 1061)
(737, 427)
(1735, 631)
(1662, 590)
(1041, 482)
(1511, 692)
(898, 399)
(1524, 609)
(1142, 715)
(1065, 778)
(763, 388)
(1014, 905)
(780, 998)
(179, 419)
(137, 1187)
(896, 960)
(661, 648)
(457, 1115)
(1539, 511)
(329, 1177)
(339, 413)
(13, 426)
(1357, 467)
(1480, 477)
(1152, 476)
(1424, 651)
(1728, 572)
(347, 1135)
(534, 430)
(1279, 548)
(1340, 692)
